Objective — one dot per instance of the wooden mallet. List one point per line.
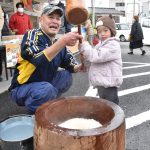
(76, 14)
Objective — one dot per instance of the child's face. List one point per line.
(103, 32)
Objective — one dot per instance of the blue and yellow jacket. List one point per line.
(33, 65)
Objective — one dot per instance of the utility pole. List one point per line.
(93, 12)
(133, 7)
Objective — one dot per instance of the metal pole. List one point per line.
(133, 7)
(93, 12)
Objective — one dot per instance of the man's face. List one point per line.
(50, 24)
(20, 9)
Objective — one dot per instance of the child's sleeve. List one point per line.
(100, 54)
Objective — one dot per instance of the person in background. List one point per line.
(136, 36)
(1, 20)
(1, 63)
(37, 77)
(1, 52)
(5, 31)
(105, 70)
(20, 22)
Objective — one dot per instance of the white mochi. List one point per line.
(80, 123)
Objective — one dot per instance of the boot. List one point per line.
(143, 52)
(130, 53)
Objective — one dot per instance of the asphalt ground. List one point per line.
(137, 138)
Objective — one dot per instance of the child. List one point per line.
(105, 71)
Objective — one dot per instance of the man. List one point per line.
(65, 25)
(37, 78)
(20, 22)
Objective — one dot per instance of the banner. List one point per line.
(27, 4)
(12, 52)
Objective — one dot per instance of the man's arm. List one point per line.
(12, 24)
(69, 39)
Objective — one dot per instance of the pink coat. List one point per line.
(105, 63)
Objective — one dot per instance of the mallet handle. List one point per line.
(81, 55)
(79, 31)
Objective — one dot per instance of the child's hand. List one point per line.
(88, 23)
(89, 28)
(80, 68)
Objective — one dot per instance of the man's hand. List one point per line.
(89, 28)
(71, 38)
(88, 23)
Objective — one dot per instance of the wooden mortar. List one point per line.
(49, 136)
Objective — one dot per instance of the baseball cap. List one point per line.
(50, 9)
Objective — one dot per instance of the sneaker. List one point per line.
(130, 53)
(143, 53)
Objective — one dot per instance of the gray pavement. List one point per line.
(132, 104)
(5, 84)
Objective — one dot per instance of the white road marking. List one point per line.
(137, 120)
(134, 120)
(136, 75)
(134, 90)
(134, 63)
(137, 66)
(93, 91)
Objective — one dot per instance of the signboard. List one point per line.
(12, 52)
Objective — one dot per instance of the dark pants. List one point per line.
(2, 58)
(34, 94)
(110, 94)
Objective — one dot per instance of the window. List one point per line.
(120, 4)
(146, 24)
(122, 27)
(8, 1)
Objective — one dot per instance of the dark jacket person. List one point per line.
(136, 36)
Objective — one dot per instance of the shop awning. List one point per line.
(105, 11)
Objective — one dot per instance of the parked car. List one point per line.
(145, 23)
(123, 31)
